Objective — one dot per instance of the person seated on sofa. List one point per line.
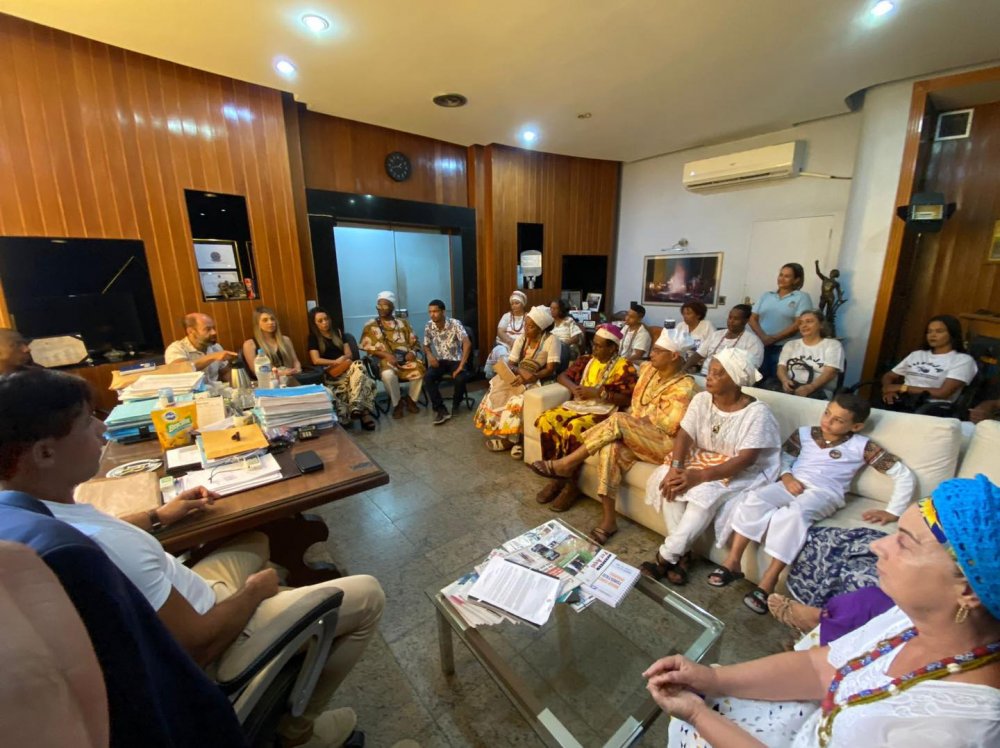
(393, 342)
(214, 609)
(808, 366)
(818, 464)
(694, 323)
(565, 328)
(728, 443)
(934, 376)
(646, 433)
(636, 340)
(200, 346)
(509, 329)
(736, 334)
(352, 390)
(873, 686)
(600, 384)
(278, 348)
(534, 357)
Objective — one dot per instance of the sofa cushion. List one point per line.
(983, 454)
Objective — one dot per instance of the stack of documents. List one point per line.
(127, 418)
(230, 445)
(309, 405)
(235, 477)
(149, 385)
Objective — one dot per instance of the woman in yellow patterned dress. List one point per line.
(600, 384)
(645, 433)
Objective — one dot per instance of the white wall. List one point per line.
(656, 210)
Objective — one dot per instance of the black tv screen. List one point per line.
(96, 288)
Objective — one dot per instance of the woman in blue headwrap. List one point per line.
(926, 672)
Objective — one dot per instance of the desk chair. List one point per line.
(449, 380)
(157, 695)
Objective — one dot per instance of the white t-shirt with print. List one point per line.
(928, 369)
(827, 352)
(138, 555)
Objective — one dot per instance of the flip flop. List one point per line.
(723, 576)
(660, 570)
(544, 468)
(756, 600)
(497, 445)
(601, 536)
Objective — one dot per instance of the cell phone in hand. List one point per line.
(308, 462)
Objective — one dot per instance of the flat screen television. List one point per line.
(98, 289)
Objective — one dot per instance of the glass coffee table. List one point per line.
(578, 679)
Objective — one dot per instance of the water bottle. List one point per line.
(262, 367)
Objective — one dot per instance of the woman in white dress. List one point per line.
(728, 443)
(694, 324)
(565, 328)
(509, 328)
(808, 366)
(924, 673)
(936, 374)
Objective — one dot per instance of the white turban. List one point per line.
(519, 296)
(541, 316)
(668, 342)
(738, 366)
(388, 296)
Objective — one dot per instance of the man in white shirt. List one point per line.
(225, 609)
(636, 340)
(736, 335)
(200, 346)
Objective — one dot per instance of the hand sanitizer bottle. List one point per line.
(262, 368)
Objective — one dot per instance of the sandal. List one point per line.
(723, 577)
(367, 422)
(601, 536)
(545, 469)
(756, 600)
(549, 492)
(497, 445)
(781, 608)
(660, 569)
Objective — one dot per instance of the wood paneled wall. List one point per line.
(341, 155)
(99, 142)
(950, 273)
(576, 201)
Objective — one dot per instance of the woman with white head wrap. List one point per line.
(509, 328)
(534, 357)
(394, 344)
(646, 432)
(728, 443)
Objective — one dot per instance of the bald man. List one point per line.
(200, 346)
(14, 352)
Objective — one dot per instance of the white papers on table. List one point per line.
(210, 410)
(236, 477)
(457, 593)
(182, 457)
(608, 578)
(527, 594)
(149, 385)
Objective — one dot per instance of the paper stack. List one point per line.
(149, 385)
(308, 405)
(235, 477)
(127, 418)
(228, 445)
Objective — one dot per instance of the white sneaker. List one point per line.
(332, 729)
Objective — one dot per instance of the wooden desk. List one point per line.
(276, 508)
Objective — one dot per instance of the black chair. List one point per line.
(449, 380)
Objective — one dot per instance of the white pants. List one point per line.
(785, 518)
(685, 523)
(391, 381)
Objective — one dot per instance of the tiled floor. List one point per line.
(450, 501)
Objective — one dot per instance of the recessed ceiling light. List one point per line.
(316, 24)
(284, 67)
(529, 136)
(584, 115)
(882, 7)
(451, 100)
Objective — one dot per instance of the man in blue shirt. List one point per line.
(447, 347)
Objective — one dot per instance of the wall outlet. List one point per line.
(722, 301)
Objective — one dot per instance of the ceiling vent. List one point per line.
(761, 164)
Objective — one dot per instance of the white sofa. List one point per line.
(931, 447)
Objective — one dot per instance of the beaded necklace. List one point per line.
(511, 329)
(655, 394)
(971, 660)
(604, 373)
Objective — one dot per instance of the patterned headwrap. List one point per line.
(609, 332)
(964, 515)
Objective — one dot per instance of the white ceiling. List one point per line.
(657, 75)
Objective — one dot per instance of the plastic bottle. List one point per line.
(262, 368)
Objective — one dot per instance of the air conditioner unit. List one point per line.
(771, 162)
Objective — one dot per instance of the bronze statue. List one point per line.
(831, 297)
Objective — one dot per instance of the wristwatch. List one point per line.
(676, 464)
(154, 521)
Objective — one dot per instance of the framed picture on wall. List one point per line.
(215, 255)
(572, 298)
(994, 255)
(675, 279)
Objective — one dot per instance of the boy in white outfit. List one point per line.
(817, 466)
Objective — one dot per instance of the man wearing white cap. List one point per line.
(728, 443)
(393, 342)
(645, 433)
(533, 358)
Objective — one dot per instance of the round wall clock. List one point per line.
(397, 166)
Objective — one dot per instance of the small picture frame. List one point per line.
(221, 285)
(594, 301)
(215, 255)
(994, 254)
(572, 298)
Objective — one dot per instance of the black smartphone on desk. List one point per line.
(308, 462)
